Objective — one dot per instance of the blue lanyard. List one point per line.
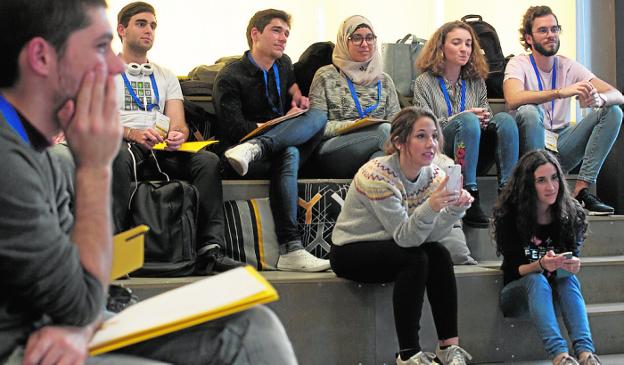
(279, 111)
(368, 109)
(9, 113)
(541, 87)
(136, 99)
(449, 107)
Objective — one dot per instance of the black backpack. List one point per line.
(169, 209)
(314, 57)
(488, 39)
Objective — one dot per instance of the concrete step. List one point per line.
(602, 278)
(603, 239)
(336, 321)
(615, 359)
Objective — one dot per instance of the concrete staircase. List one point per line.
(335, 321)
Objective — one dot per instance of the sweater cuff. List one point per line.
(426, 213)
(455, 211)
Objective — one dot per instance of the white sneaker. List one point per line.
(421, 358)
(301, 260)
(453, 355)
(241, 155)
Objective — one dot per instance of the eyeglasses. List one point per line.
(358, 40)
(555, 29)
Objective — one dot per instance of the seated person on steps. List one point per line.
(536, 220)
(395, 213)
(541, 86)
(58, 75)
(248, 92)
(452, 86)
(149, 95)
(353, 87)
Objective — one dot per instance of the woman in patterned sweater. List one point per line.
(395, 211)
(353, 87)
(452, 86)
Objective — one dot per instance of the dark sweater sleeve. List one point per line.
(229, 107)
(39, 265)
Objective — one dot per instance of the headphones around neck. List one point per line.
(135, 69)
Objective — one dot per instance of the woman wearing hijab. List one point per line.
(452, 86)
(351, 88)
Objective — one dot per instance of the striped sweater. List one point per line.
(382, 204)
(330, 93)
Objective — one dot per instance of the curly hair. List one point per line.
(402, 125)
(527, 22)
(432, 56)
(516, 208)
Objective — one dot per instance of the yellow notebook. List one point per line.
(214, 297)
(270, 124)
(128, 251)
(360, 123)
(192, 147)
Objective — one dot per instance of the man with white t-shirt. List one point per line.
(541, 87)
(152, 111)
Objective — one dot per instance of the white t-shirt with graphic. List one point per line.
(168, 89)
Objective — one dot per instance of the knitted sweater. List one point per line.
(382, 204)
(330, 93)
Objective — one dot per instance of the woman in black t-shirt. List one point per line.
(539, 228)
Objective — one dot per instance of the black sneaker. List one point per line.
(592, 204)
(475, 217)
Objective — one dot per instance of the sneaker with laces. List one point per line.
(453, 355)
(301, 260)
(592, 359)
(567, 360)
(592, 204)
(241, 155)
(421, 358)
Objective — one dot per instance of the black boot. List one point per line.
(475, 217)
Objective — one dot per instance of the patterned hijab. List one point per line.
(362, 73)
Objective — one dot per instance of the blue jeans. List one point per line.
(286, 147)
(588, 142)
(340, 157)
(462, 136)
(255, 336)
(533, 293)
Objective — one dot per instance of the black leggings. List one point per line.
(412, 270)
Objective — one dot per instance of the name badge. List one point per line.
(162, 124)
(551, 140)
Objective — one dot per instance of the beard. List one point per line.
(544, 52)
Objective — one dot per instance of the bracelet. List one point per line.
(540, 263)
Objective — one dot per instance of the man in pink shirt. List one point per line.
(541, 86)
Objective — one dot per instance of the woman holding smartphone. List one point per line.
(539, 228)
(452, 86)
(395, 213)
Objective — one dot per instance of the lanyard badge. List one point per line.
(368, 109)
(280, 110)
(550, 136)
(13, 119)
(449, 107)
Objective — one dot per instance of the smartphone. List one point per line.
(567, 255)
(454, 178)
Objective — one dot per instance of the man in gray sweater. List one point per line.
(57, 74)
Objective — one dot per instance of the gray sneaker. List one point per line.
(241, 155)
(592, 359)
(568, 360)
(421, 358)
(453, 355)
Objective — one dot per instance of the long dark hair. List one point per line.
(516, 208)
